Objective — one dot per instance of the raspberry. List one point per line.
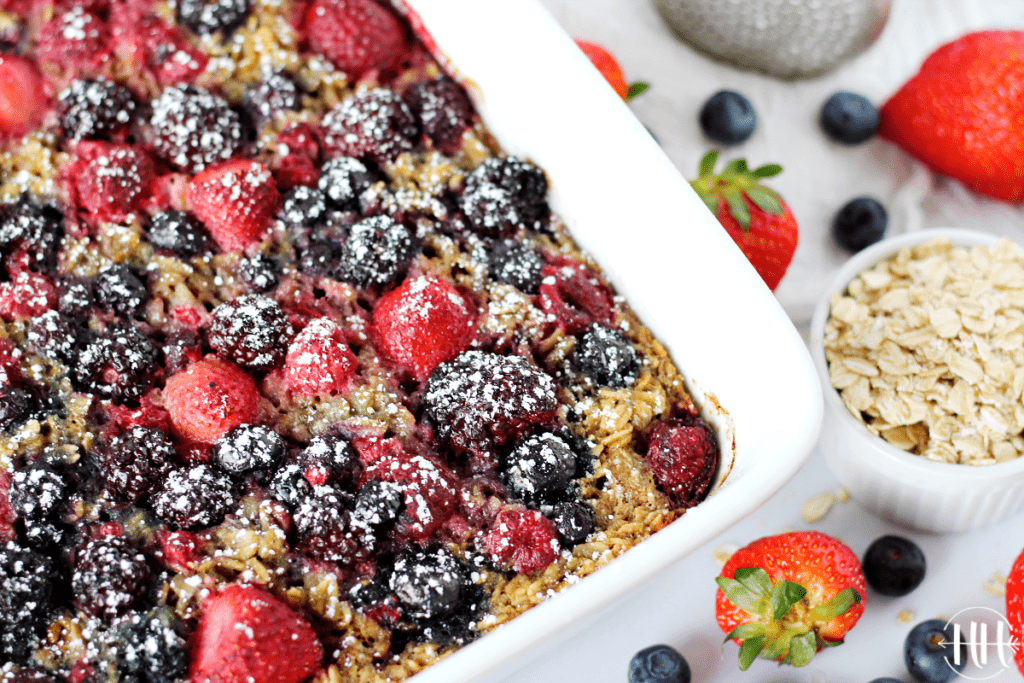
(178, 232)
(376, 252)
(607, 357)
(26, 296)
(180, 550)
(303, 206)
(76, 40)
(574, 296)
(194, 497)
(431, 495)
(322, 524)
(210, 398)
(37, 492)
(682, 453)
(521, 180)
(278, 93)
(108, 576)
(302, 139)
(342, 180)
(574, 522)
(355, 35)
(428, 584)
(443, 110)
(22, 102)
(251, 331)
(111, 181)
(421, 323)
(119, 290)
(524, 539)
(236, 201)
(259, 273)
(118, 364)
(247, 448)
(516, 264)
(7, 514)
(329, 458)
(26, 587)
(135, 463)
(206, 17)
(160, 50)
(193, 128)
(482, 400)
(539, 468)
(34, 230)
(373, 124)
(96, 110)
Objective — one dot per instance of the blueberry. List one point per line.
(658, 664)
(886, 680)
(849, 118)
(728, 118)
(248, 447)
(429, 584)
(540, 466)
(928, 652)
(574, 521)
(607, 357)
(894, 565)
(289, 486)
(860, 223)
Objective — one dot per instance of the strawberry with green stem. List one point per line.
(609, 67)
(755, 216)
(786, 597)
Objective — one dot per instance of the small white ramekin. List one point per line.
(896, 485)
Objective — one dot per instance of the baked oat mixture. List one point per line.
(299, 376)
(927, 349)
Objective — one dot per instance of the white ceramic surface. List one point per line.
(896, 485)
(628, 206)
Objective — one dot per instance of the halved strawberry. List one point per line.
(785, 597)
(110, 181)
(246, 634)
(319, 360)
(22, 102)
(210, 398)
(236, 201)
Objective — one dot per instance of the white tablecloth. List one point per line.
(678, 607)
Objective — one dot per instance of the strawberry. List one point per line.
(110, 181)
(236, 200)
(609, 67)
(423, 322)
(785, 597)
(1015, 608)
(962, 113)
(22, 103)
(319, 360)
(74, 41)
(246, 634)
(210, 398)
(756, 218)
(355, 35)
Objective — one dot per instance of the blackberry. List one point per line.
(196, 496)
(193, 129)
(119, 290)
(574, 521)
(379, 503)
(27, 581)
(44, 535)
(607, 357)
(428, 584)
(278, 93)
(322, 524)
(248, 447)
(117, 364)
(259, 273)
(332, 456)
(443, 110)
(303, 206)
(17, 406)
(540, 467)
(289, 485)
(135, 463)
(152, 647)
(76, 297)
(376, 252)
(180, 348)
(95, 110)
(56, 336)
(373, 124)
(37, 492)
(206, 17)
(524, 182)
(179, 232)
(490, 210)
(36, 228)
(516, 264)
(250, 330)
(108, 575)
(342, 180)
(480, 400)
(28, 676)
(320, 258)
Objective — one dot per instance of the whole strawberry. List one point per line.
(609, 67)
(756, 217)
(785, 597)
(236, 201)
(963, 113)
(1015, 608)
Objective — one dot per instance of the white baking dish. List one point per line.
(627, 205)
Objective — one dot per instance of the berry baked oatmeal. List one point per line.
(300, 378)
